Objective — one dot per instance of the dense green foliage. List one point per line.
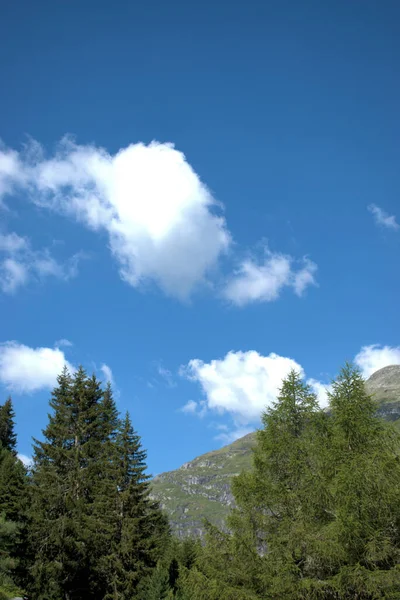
(8, 438)
(94, 531)
(317, 517)
(13, 495)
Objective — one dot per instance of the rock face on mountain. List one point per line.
(384, 386)
(201, 488)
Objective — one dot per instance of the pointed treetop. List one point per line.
(353, 409)
(8, 438)
(293, 405)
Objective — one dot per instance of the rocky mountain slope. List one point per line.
(201, 488)
(384, 386)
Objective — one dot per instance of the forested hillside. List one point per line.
(315, 515)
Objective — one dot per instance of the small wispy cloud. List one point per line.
(20, 263)
(263, 281)
(195, 408)
(108, 374)
(383, 218)
(166, 375)
(231, 436)
(63, 343)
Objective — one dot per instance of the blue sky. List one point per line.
(196, 196)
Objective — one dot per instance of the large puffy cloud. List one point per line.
(19, 263)
(241, 383)
(374, 357)
(159, 216)
(26, 369)
(263, 281)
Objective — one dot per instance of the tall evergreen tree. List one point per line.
(14, 491)
(362, 556)
(157, 586)
(95, 532)
(9, 535)
(13, 480)
(142, 532)
(278, 506)
(280, 502)
(319, 516)
(8, 438)
(13, 486)
(64, 485)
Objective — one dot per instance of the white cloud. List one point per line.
(383, 218)
(13, 275)
(63, 342)
(190, 407)
(11, 171)
(195, 408)
(304, 277)
(374, 357)
(26, 460)
(19, 263)
(264, 281)
(25, 369)
(159, 216)
(166, 375)
(108, 374)
(321, 390)
(242, 383)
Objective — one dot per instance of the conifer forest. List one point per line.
(317, 516)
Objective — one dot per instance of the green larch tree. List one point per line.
(361, 556)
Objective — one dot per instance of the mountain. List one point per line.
(384, 386)
(201, 488)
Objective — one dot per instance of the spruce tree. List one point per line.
(142, 532)
(157, 586)
(14, 496)
(13, 486)
(8, 438)
(13, 479)
(9, 535)
(95, 532)
(65, 480)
